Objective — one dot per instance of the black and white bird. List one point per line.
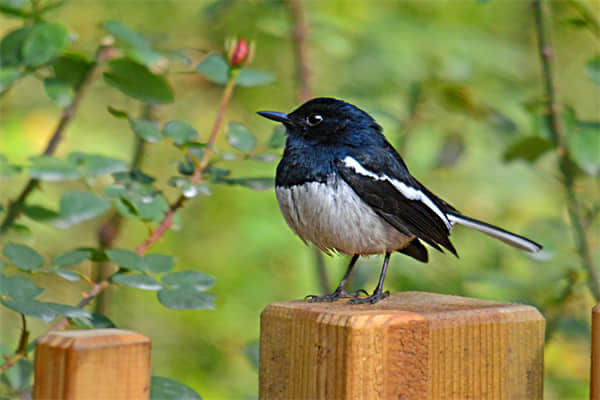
(342, 186)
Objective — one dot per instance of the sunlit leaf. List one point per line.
(167, 389)
(146, 129)
(97, 164)
(528, 148)
(59, 91)
(65, 274)
(77, 206)
(71, 257)
(96, 321)
(45, 311)
(187, 298)
(249, 77)
(159, 263)
(19, 288)
(196, 279)
(240, 137)
(45, 42)
(39, 213)
(127, 259)
(23, 257)
(137, 81)
(138, 47)
(48, 168)
(215, 68)
(181, 132)
(138, 281)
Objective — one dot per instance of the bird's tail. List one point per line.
(507, 237)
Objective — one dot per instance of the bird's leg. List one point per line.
(378, 294)
(340, 292)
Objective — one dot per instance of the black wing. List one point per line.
(381, 179)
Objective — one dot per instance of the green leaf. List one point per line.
(96, 321)
(528, 148)
(9, 170)
(77, 206)
(15, 8)
(252, 352)
(159, 263)
(138, 47)
(147, 130)
(65, 274)
(19, 288)
(593, 69)
(45, 42)
(72, 68)
(71, 257)
(59, 91)
(249, 77)
(252, 183)
(8, 76)
(278, 138)
(167, 389)
(584, 143)
(189, 189)
(39, 213)
(45, 311)
(240, 137)
(24, 257)
(137, 81)
(180, 132)
(127, 259)
(52, 169)
(215, 68)
(193, 279)
(187, 298)
(265, 157)
(138, 281)
(117, 113)
(96, 164)
(11, 45)
(20, 376)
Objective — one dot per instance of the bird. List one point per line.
(343, 187)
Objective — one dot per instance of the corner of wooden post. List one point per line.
(412, 345)
(92, 364)
(595, 368)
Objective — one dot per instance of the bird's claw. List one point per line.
(374, 298)
(338, 294)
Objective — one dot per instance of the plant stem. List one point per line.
(541, 11)
(104, 53)
(197, 177)
(89, 296)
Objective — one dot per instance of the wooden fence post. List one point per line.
(412, 345)
(595, 370)
(92, 364)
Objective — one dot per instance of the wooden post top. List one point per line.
(409, 346)
(408, 305)
(92, 338)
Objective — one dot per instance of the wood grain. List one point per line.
(595, 370)
(412, 345)
(92, 364)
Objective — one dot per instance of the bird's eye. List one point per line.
(314, 119)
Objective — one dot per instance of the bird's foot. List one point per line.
(374, 298)
(338, 294)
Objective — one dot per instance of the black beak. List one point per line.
(275, 116)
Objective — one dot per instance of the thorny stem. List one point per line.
(104, 53)
(541, 10)
(303, 77)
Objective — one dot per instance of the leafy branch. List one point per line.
(559, 136)
(103, 54)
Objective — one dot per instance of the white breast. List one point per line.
(333, 217)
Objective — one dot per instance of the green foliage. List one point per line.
(23, 257)
(138, 281)
(162, 388)
(240, 137)
(137, 81)
(44, 42)
(52, 169)
(593, 69)
(77, 206)
(181, 132)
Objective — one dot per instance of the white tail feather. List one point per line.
(510, 238)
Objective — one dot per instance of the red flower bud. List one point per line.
(239, 53)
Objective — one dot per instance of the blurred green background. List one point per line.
(451, 82)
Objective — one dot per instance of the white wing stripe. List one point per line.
(406, 191)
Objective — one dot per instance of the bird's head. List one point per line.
(327, 120)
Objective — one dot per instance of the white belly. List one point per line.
(333, 217)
